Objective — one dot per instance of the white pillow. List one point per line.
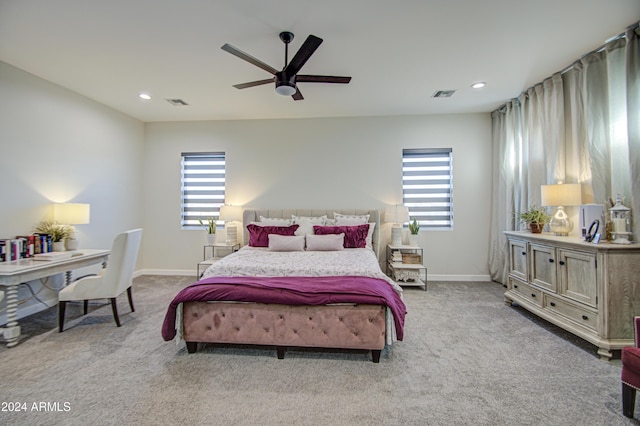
(329, 222)
(349, 220)
(329, 242)
(369, 240)
(286, 242)
(274, 221)
(306, 223)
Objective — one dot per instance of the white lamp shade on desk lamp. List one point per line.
(71, 214)
(397, 215)
(230, 214)
(561, 195)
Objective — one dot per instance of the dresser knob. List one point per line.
(561, 262)
(584, 317)
(515, 286)
(550, 260)
(533, 295)
(524, 252)
(553, 303)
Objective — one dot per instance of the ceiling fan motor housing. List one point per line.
(285, 84)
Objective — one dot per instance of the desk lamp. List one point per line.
(71, 214)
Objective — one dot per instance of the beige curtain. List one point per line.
(528, 151)
(633, 122)
(580, 126)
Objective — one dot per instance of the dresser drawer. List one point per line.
(533, 294)
(580, 315)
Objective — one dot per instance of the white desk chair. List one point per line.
(111, 282)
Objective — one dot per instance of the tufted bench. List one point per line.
(344, 326)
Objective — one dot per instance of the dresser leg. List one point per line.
(605, 354)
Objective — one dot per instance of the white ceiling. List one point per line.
(397, 52)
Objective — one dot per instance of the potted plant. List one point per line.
(414, 228)
(535, 218)
(210, 227)
(58, 233)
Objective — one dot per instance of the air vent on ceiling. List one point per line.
(443, 94)
(177, 102)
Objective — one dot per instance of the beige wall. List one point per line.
(322, 163)
(57, 146)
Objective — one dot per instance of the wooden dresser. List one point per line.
(590, 290)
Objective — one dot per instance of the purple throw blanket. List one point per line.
(289, 291)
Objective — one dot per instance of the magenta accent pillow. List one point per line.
(259, 235)
(354, 236)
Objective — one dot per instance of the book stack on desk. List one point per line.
(54, 255)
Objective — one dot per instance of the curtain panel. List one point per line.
(578, 126)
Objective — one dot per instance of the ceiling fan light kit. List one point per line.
(286, 80)
(285, 85)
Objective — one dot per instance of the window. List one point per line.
(427, 178)
(203, 183)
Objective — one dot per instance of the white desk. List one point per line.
(12, 274)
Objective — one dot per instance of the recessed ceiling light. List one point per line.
(145, 96)
(478, 85)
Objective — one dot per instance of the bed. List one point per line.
(313, 298)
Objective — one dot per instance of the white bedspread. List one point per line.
(254, 261)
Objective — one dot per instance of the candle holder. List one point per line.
(620, 222)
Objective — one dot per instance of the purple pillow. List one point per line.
(259, 235)
(354, 236)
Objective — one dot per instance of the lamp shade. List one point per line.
(71, 213)
(230, 213)
(561, 194)
(396, 214)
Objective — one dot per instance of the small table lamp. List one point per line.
(397, 215)
(71, 214)
(559, 195)
(230, 214)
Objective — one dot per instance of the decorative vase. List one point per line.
(70, 244)
(58, 246)
(413, 240)
(211, 239)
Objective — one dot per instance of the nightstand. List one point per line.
(218, 251)
(404, 266)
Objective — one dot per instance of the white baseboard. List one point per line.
(437, 277)
(178, 272)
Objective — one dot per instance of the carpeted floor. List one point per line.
(467, 358)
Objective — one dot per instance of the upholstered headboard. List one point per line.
(249, 216)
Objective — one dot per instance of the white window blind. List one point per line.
(427, 186)
(203, 185)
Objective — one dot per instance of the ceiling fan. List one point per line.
(286, 79)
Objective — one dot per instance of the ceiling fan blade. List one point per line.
(322, 79)
(242, 55)
(297, 96)
(308, 47)
(253, 83)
